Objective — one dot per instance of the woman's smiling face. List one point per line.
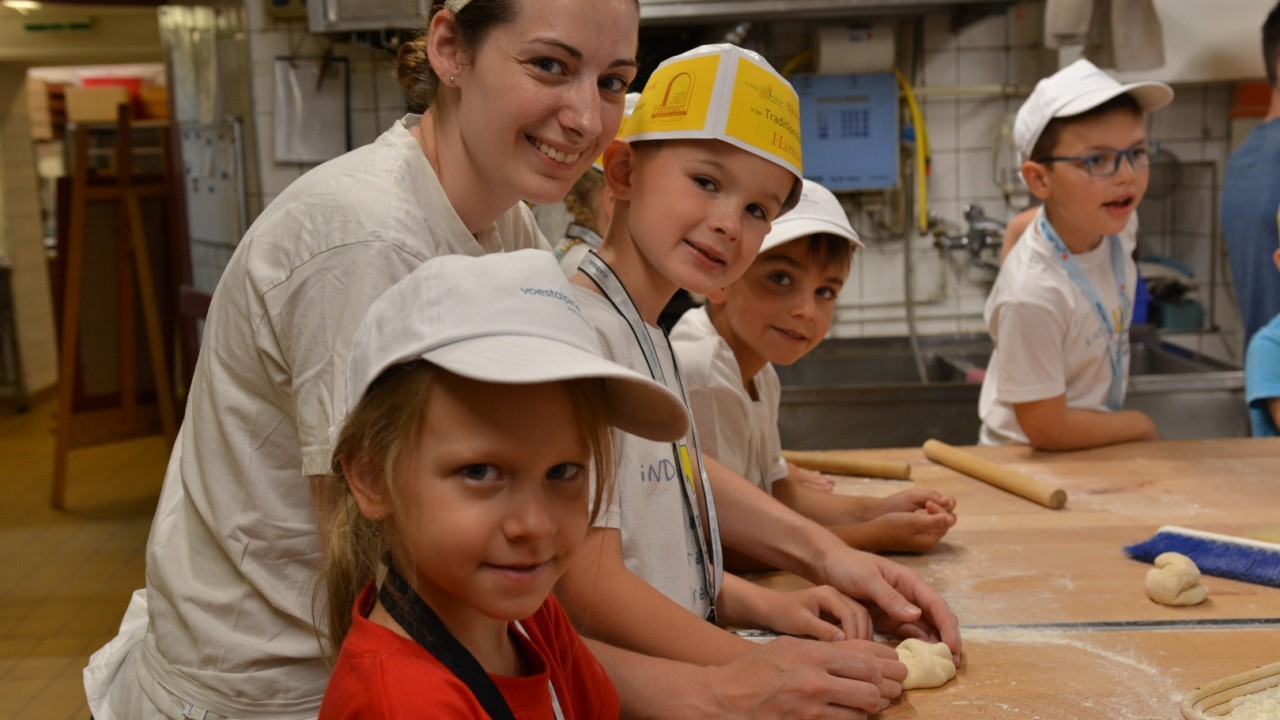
(543, 94)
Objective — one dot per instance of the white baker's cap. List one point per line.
(1077, 88)
(818, 211)
(503, 318)
(722, 92)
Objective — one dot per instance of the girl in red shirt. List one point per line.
(480, 407)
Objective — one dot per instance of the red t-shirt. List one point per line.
(380, 674)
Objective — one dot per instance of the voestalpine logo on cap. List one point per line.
(568, 301)
(765, 113)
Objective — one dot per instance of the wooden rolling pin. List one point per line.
(830, 463)
(1047, 494)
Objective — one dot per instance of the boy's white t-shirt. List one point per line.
(1048, 338)
(659, 539)
(578, 240)
(234, 558)
(740, 432)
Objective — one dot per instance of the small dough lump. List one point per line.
(1175, 580)
(928, 664)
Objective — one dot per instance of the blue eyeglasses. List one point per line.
(1107, 163)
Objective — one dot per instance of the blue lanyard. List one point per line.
(605, 279)
(1117, 333)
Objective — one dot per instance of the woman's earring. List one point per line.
(453, 79)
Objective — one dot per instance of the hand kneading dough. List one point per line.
(928, 664)
(1175, 580)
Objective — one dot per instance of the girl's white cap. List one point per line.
(818, 211)
(503, 318)
(1077, 88)
(722, 92)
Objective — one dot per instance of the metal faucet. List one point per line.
(983, 234)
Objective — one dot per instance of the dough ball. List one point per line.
(1175, 580)
(928, 664)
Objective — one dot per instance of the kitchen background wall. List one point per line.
(971, 163)
(21, 234)
(375, 102)
(120, 34)
(966, 140)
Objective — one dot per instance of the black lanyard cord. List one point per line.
(705, 524)
(426, 628)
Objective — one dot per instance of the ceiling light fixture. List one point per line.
(22, 6)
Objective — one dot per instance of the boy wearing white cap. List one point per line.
(1060, 310)
(777, 312)
(709, 158)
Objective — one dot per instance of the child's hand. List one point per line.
(917, 499)
(810, 478)
(916, 531)
(821, 612)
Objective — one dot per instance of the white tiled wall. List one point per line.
(23, 236)
(374, 102)
(375, 99)
(971, 161)
(972, 164)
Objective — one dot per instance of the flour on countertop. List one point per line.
(1263, 705)
(1141, 691)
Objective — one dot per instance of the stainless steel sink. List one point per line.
(867, 392)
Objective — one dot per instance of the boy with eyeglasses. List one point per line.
(1060, 310)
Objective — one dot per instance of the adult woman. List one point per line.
(522, 95)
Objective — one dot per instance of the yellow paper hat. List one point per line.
(722, 92)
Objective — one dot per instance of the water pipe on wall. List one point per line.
(920, 174)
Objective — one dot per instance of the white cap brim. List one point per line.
(1151, 96)
(784, 233)
(503, 318)
(1074, 90)
(816, 211)
(637, 405)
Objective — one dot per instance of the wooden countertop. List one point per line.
(1086, 675)
(1054, 615)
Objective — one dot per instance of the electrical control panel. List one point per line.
(849, 129)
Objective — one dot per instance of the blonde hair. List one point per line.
(579, 200)
(377, 438)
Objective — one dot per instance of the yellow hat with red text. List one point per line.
(722, 92)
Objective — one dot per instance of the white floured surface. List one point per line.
(1138, 689)
(1263, 705)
